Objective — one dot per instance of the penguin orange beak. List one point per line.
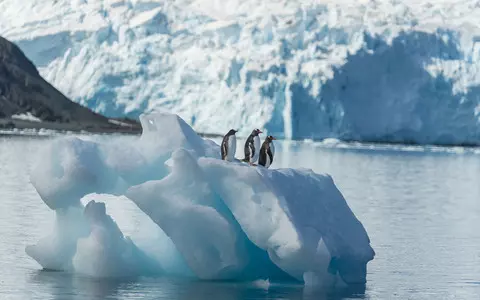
(259, 131)
(274, 138)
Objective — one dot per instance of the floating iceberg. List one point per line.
(227, 220)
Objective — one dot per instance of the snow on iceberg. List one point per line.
(291, 213)
(87, 241)
(105, 252)
(227, 220)
(69, 169)
(398, 71)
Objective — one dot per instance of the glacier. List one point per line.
(218, 220)
(376, 71)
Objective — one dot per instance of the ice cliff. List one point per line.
(396, 71)
(226, 220)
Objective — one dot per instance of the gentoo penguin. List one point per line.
(229, 145)
(267, 152)
(252, 147)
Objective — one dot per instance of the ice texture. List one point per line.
(227, 220)
(394, 71)
(87, 241)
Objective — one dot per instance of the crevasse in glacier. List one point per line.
(393, 71)
(227, 220)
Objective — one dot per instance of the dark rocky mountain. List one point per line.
(24, 92)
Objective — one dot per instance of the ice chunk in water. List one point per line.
(226, 219)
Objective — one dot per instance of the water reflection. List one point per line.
(64, 286)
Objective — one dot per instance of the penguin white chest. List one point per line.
(256, 144)
(232, 147)
(267, 161)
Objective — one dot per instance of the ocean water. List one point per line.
(420, 206)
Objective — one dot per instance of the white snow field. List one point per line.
(226, 220)
(380, 70)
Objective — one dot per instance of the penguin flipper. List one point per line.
(252, 151)
(224, 149)
(262, 157)
(270, 155)
(247, 151)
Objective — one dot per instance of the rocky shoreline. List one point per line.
(131, 127)
(27, 101)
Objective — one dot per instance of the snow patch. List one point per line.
(116, 122)
(26, 117)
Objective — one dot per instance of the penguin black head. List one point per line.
(232, 132)
(256, 132)
(270, 138)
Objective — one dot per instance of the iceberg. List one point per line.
(389, 71)
(105, 252)
(87, 241)
(226, 220)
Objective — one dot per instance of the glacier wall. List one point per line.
(394, 71)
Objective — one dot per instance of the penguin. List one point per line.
(229, 146)
(252, 147)
(267, 152)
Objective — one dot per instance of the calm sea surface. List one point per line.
(420, 206)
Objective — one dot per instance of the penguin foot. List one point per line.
(252, 164)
